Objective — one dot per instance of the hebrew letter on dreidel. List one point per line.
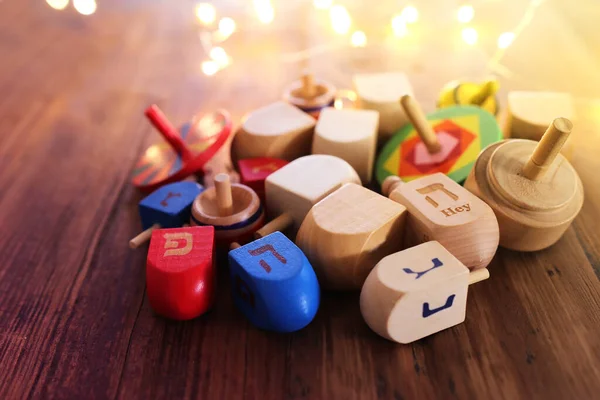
(433, 188)
(173, 244)
(264, 249)
(164, 203)
(428, 312)
(436, 263)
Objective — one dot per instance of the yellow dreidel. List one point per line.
(464, 93)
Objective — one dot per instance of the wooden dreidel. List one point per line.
(350, 135)
(464, 93)
(273, 283)
(533, 190)
(167, 207)
(180, 272)
(278, 130)
(292, 190)
(185, 153)
(233, 209)
(442, 210)
(417, 292)
(309, 95)
(447, 141)
(380, 92)
(348, 232)
(254, 171)
(530, 113)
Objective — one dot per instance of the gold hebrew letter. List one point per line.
(173, 244)
(433, 188)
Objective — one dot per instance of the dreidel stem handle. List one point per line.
(168, 131)
(478, 275)
(143, 237)
(547, 149)
(224, 198)
(309, 90)
(390, 184)
(280, 223)
(419, 121)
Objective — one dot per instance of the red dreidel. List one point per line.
(180, 272)
(185, 153)
(233, 209)
(254, 171)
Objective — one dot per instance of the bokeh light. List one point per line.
(58, 4)
(219, 55)
(264, 11)
(210, 67)
(505, 39)
(410, 14)
(226, 27)
(399, 26)
(206, 13)
(465, 14)
(85, 7)
(358, 39)
(470, 36)
(340, 19)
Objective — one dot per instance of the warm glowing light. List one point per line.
(340, 19)
(410, 14)
(399, 26)
(85, 7)
(264, 11)
(323, 4)
(206, 13)
(470, 36)
(210, 67)
(358, 39)
(226, 26)
(465, 14)
(505, 39)
(219, 55)
(58, 4)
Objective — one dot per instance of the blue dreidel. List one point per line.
(169, 206)
(273, 283)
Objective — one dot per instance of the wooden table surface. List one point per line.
(74, 318)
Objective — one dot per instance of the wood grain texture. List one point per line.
(75, 321)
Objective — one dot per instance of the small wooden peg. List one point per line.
(142, 237)
(224, 199)
(489, 88)
(389, 184)
(280, 223)
(478, 275)
(309, 89)
(547, 149)
(420, 123)
(234, 245)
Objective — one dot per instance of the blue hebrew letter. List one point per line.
(436, 263)
(427, 312)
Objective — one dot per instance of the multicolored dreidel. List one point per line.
(273, 283)
(234, 211)
(417, 292)
(348, 232)
(309, 95)
(180, 273)
(446, 141)
(440, 209)
(457, 93)
(295, 188)
(185, 153)
(254, 171)
(533, 190)
(278, 130)
(167, 207)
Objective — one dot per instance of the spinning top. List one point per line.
(233, 209)
(309, 95)
(185, 153)
(464, 93)
(533, 190)
(447, 141)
